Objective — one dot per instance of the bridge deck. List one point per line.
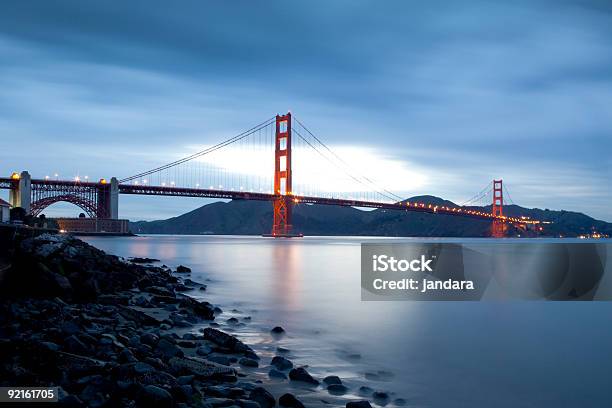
(8, 183)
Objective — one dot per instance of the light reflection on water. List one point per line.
(506, 354)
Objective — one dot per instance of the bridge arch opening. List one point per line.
(89, 208)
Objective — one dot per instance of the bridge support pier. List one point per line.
(114, 199)
(22, 195)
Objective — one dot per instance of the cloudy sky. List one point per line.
(448, 94)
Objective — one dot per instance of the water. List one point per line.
(432, 354)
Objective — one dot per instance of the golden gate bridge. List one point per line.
(240, 168)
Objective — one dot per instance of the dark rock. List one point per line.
(262, 397)
(274, 373)
(277, 330)
(358, 404)
(203, 310)
(149, 338)
(185, 379)
(332, 379)
(232, 320)
(182, 269)
(226, 361)
(282, 350)
(364, 390)
(161, 291)
(227, 341)
(300, 374)
(143, 260)
(248, 362)
(153, 396)
(168, 349)
(380, 396)
(74, 345)
(281, 363)
(289, 400)
(203, 350)
(337, 389)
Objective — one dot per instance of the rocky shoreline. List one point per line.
(104, 330)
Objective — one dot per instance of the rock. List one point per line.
(182, 269)
(185, 379)
(130, 313)
(74, 345)
(363, 390)
(224, 360)
(143, 368)
(152, 396)
(399, 402)
(248, 362)
(300, 374)
(161, 291)
(200, 367)
(277, 330)
(168, 349)
(203, 350)
(262, 397)
(143, 260)
(380, 396)
(126, 356)
(274, 373)
(332, 379)
(289, 400)
(358, 404)
(203, 310)
(281, 363)
(282, 350)
(227, 341)
(337, 389)
(149, 338)
(232, 321)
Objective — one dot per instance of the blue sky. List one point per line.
(457, 92)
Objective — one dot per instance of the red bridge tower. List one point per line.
(497, 209)
(281, 226)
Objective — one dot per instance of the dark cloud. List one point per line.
(481, 88)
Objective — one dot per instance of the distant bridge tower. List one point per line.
(281, 226)
(497, 209)
(22, 195)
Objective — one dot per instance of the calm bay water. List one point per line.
(432, 354)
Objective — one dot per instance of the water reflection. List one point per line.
(286, 277)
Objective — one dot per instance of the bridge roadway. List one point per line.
(143, 189)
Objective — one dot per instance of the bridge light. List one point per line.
(15, 176)
(86, 177)
(144, 181)
(172, 183)
(46, 177)
(77, 178)
(102, 181)
(163, 184)
(56, 175)
(197, 184)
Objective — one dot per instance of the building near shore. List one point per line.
(5, 211)
(93, 225)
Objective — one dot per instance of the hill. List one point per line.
(241, 217)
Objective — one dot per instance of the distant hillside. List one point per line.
(255, 217)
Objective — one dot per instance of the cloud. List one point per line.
(458, 93)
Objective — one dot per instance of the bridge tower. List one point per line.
(22, 195)
(281, 226)
(497, 209)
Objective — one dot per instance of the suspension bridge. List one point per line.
(280, 160)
